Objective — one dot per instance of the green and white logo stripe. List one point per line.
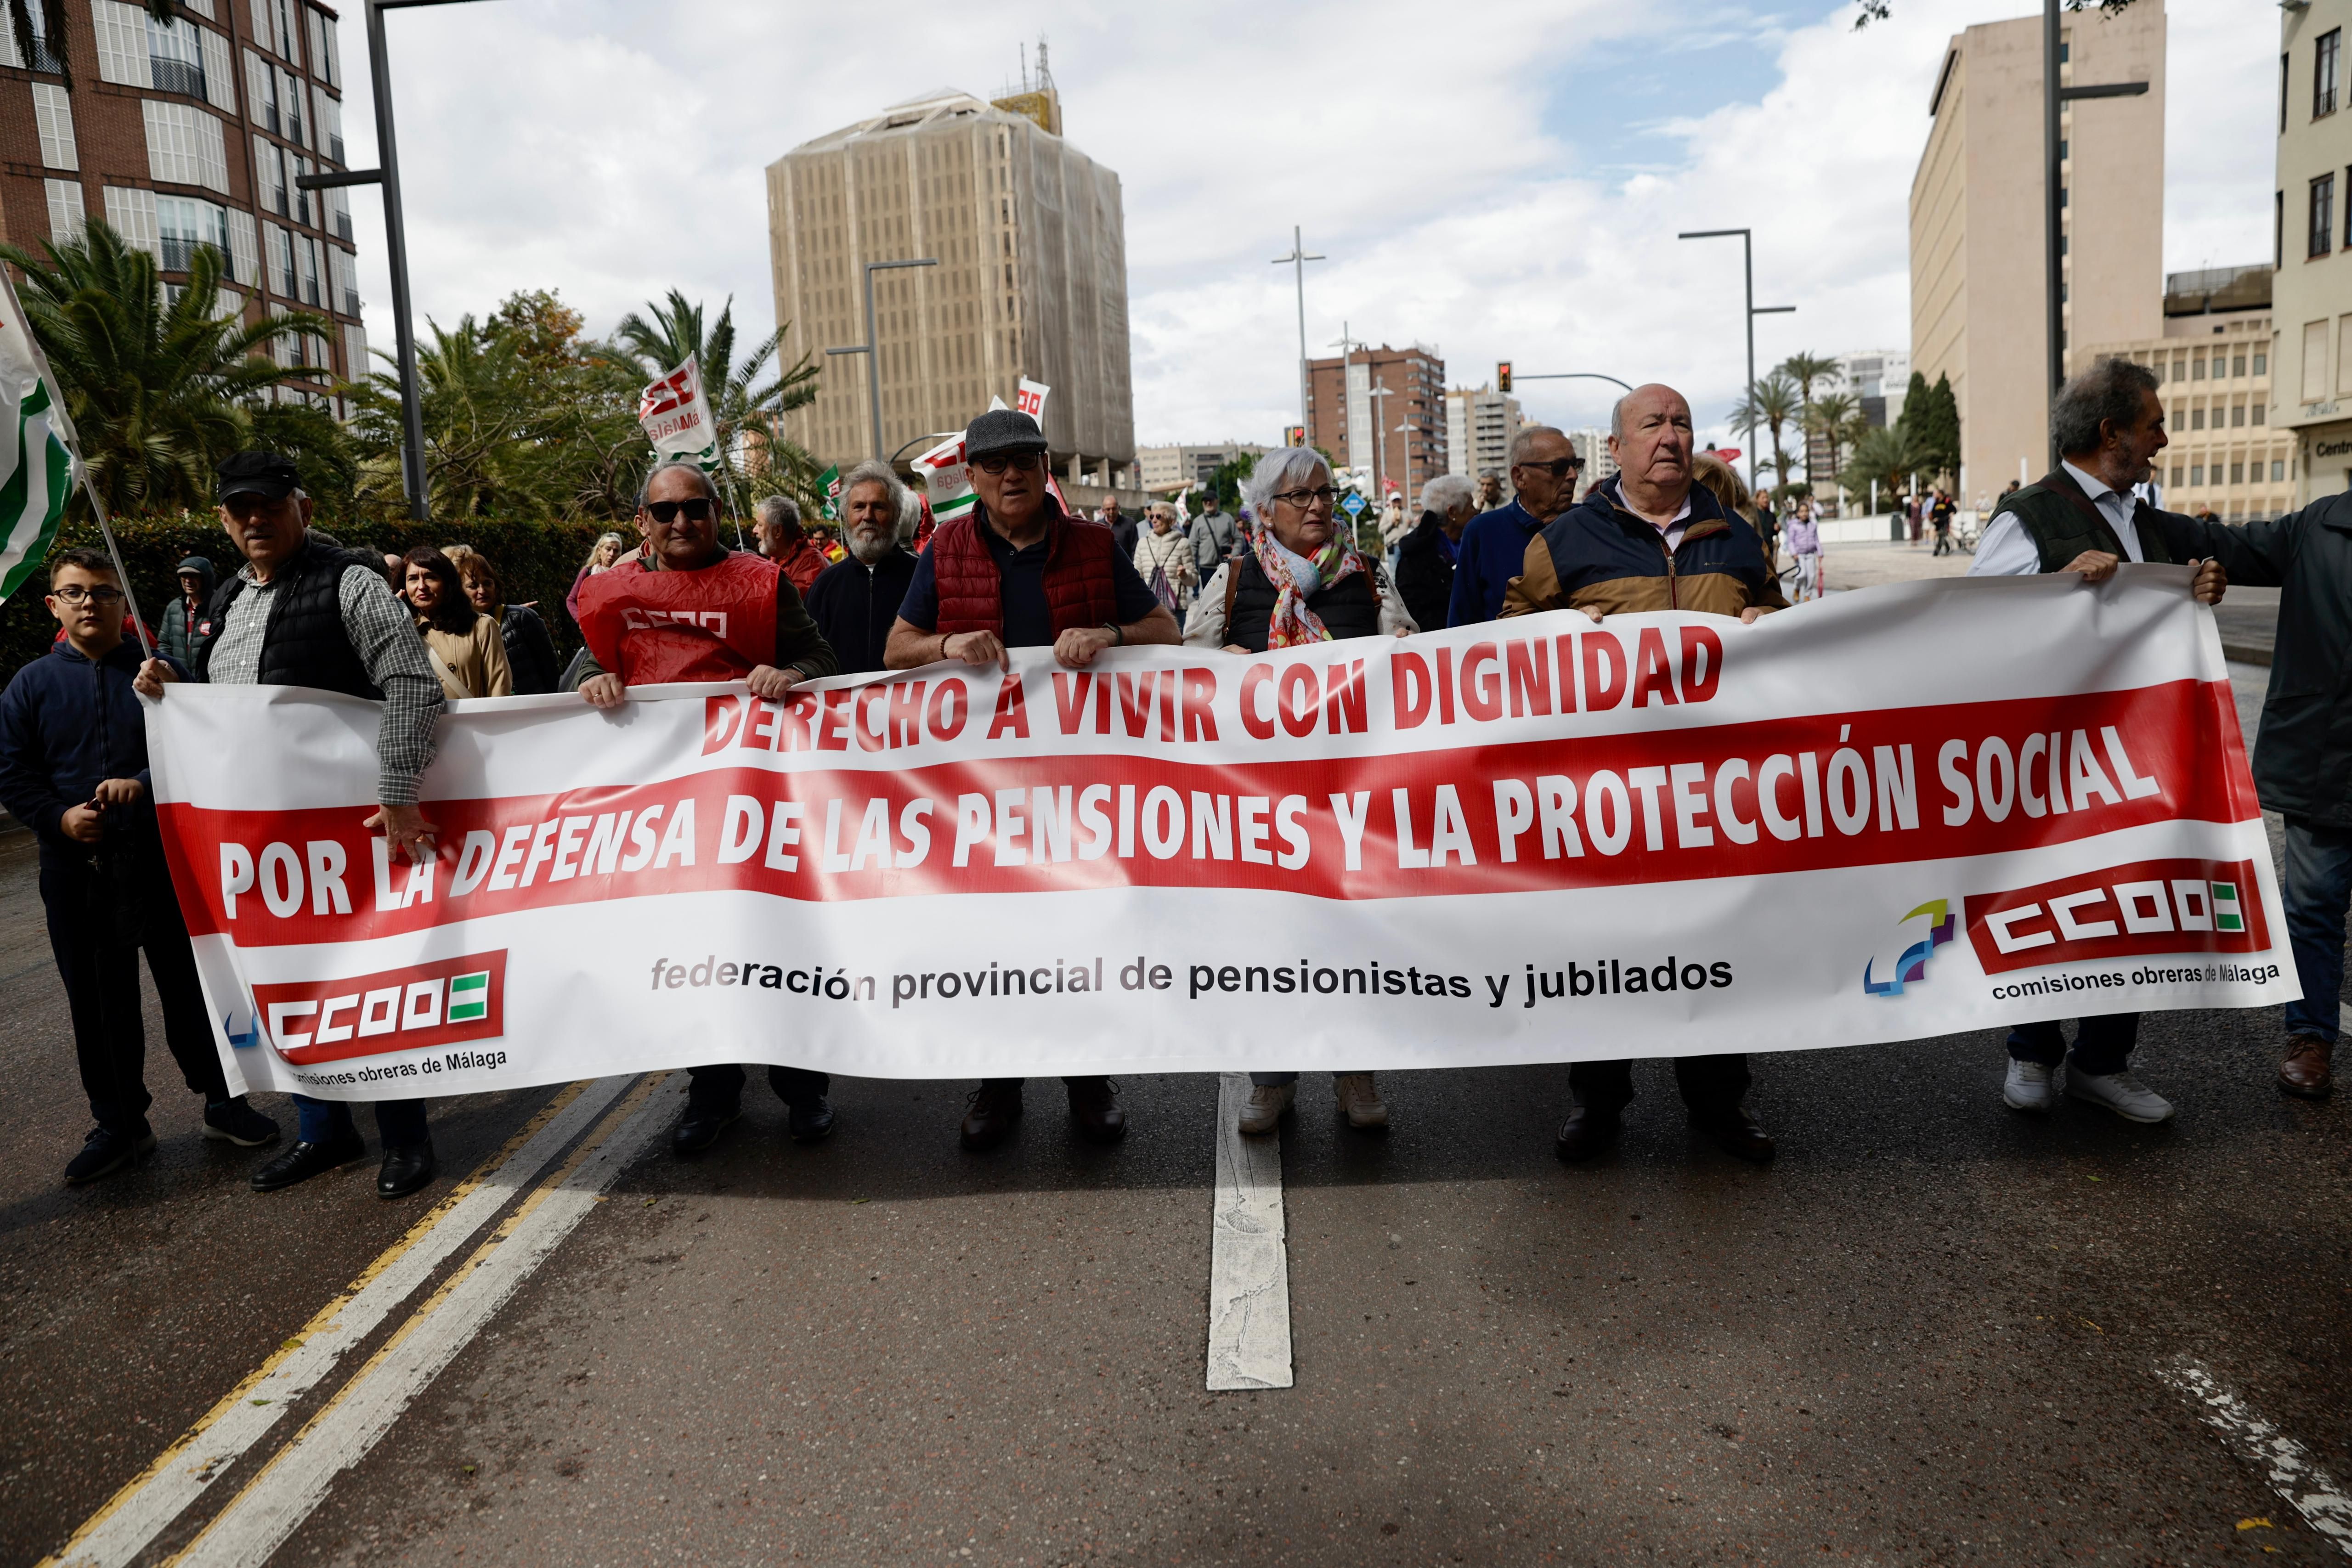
(35, 481)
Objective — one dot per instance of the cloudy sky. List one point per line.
(1497, 178)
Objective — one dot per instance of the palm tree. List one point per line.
(157, 393)
(1887, 457)
(42, 46)
(1774, 406)
(1828, 421)
(743, 408)
(1808, 371)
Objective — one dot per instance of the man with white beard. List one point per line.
(855, 601)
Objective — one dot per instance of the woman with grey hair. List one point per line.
(1426, 555)
(1163, 558)
(1300, 578)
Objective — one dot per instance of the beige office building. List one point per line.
(1170, 467)
(1479, 424)
(2312, 383)
(2214, 360)
(1030, 238)
(1978, 299)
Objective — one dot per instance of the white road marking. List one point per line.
(274, 1504)
(2292, 1473)
(1249, 1265)
(118, 1532)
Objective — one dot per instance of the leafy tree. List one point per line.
(1830, 419)
(1774, 403)
(1940, 431)
(745, 408)
(161, 391)
(1887, 457)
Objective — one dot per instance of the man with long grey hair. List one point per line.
(2108, 423)
(855, 601)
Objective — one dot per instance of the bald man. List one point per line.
(1649, 539)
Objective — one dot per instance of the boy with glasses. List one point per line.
(1014, 572)
(73, 765)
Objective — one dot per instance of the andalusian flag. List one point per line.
(37, 470)
(948, 479)
(828, 484)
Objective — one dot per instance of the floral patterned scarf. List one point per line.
(1292, 623)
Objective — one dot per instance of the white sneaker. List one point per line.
(1360, 1099)
(1267, 1101)
(2121, 1093)
(2031, 1086)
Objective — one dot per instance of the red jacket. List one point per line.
(1079, 590)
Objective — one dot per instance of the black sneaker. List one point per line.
(235, 1122)
(108, 1150)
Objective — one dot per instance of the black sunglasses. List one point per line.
(698, 509)
(1559, 467)
(998, 462)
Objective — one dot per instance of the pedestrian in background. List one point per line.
(301, 610)
(1163, 558)
(1215, 537)
(1302, 581)
(776, 526)
(1805, 546)
(689, 609)
(855, 602)
(1490, 491)
(601, 557)
(1124, 530)
(177, 635)
(73, 768)
(1493, 547)
(1651, 537)
(2108, 425)
(468, 654)
(1015, 571)
(531, 652)
(1940, 515)
(1425, 556)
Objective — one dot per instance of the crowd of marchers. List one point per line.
(1674, 528)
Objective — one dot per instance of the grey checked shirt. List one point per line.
(384, 636)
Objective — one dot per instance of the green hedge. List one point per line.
(536, 561)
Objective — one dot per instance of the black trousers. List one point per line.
(1710, 1083)
(723, 1084)
(101, 978)
(2102, 1045)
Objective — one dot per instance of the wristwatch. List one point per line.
(1117, 634)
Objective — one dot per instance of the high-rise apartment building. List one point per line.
(1165, 467)
(1591, 443)
(1479, 424)
(1381, 410)
(2215, 362)
(1030, 238)
(1877, 379)
(189, 133)
(1977, 291)
(2311, 386)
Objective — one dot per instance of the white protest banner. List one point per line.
(676, 417)
(947, 479)
(1029, 397)
(1909, 811)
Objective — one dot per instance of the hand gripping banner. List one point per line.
(1916, 811)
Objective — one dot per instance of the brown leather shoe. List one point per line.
(1094, 1106)
(2306, 1072)
(1736, 1134)
(1585, 1134)
(992, 1112)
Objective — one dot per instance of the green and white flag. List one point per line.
(36, 465)
(828, 484)
(948, 479)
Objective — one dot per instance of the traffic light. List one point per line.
(1294, 435)
(1503, 376)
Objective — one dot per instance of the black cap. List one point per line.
(1001, 430)
(269, 474)
(195, 564)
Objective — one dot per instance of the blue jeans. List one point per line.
(399, 1123)
(2102, 1045)
(2318, 888)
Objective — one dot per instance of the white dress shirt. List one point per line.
(2008, 550)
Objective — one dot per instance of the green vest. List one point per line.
(2063, 523)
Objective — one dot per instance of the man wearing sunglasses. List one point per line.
(689, 609)
(1014, 572)
(1544, 466)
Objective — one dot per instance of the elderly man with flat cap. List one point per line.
(1015, 572)
(304, 612)
(1650, 539)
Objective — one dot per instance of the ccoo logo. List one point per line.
(411, 1008)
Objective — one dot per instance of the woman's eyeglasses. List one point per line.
(698, 509)
(996, 462)
(75, 593)
(1302, 500)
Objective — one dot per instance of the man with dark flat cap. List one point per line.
(1015, 572)
(302, 611)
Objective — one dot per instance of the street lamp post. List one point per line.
(1586, 376)
(1296, 261)
(2054, 195)
(395, 235)
(1379, 440)
(870, 350)
(1747, 264)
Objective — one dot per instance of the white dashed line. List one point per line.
(2286, 1464)
(1249, 1266)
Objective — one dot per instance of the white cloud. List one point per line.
(615, 151)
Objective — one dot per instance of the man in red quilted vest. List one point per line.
(689, 609)
(1015, 572)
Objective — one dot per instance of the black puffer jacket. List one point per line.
(1424, 573)
(2303, 757)
(304, 643)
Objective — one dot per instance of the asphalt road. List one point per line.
(1933, 1332)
